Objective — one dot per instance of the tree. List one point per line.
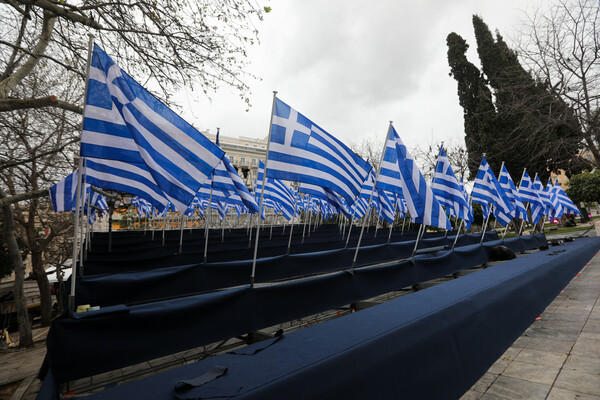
(43, 51)
(508, 114)
(561, 46)
(585, 187)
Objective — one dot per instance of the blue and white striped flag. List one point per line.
(301, 151)
(123, 122)
(327, 195)
(556, 206)
(276, 191)
(568, 206)
(64, 192)
(487, 191)
(400, 174)
(530, 195)
(446, 188)
(470, 216)
(538, 186)
(508, 185)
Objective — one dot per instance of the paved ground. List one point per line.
(557, 357)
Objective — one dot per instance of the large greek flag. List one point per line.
(125, 123)
(487, 190)
(399, 174)
(301, 151)
(530, 195)
(446, 188)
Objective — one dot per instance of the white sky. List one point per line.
(351, 66)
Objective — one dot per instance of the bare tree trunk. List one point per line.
(26, 339)
(44, 287)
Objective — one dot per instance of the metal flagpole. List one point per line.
(262, 192)
(223, 229)
(527, 207)
(152, 219)
(403, 223)
(462, 221)
(82, 232)
(164, 227)
(349, 230)
(485, 224)
(181, 233)
(71, 300)
(250, 226)
(419, 235)
(362, 230)
(208, 221)
(272, 221)
(293, 218)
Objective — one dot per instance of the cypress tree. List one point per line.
(529, 126)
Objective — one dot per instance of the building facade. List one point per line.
(244, 154)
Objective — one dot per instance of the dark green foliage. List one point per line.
(585, 187)
(509, 115)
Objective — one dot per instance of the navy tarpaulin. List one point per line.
(432, 344)
(201, 319)
(104, 262)
(134, 287)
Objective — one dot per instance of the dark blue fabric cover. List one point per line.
(88, 346)
(432, 344)
(103, 262)
(160, 283)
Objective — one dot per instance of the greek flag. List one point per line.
(556, 206)
(470, 216)
(62, 194)
(225, 177)
(446, 188)
(544, 196)
(399, 174)
(123, 122)
(487, 190)
(325, 195)
(531, 196)
(276, 191)
(301, 151)
(512, 194)
(568, 205)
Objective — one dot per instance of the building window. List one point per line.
(242, 160)
(262, 146)
(254, 161)
(232, 159)
(254, 145)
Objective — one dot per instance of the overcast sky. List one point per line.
(351, 66)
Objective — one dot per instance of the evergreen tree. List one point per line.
(525, 124)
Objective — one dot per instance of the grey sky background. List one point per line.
(351, 66)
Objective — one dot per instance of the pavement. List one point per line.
(557, 357)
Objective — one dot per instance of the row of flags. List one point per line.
(133, 143)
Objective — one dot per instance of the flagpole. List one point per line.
(362, 230)
(71, 300)
(208, 220)
(528, 203)
(293, 215)
(181, 233)
(262, 192)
